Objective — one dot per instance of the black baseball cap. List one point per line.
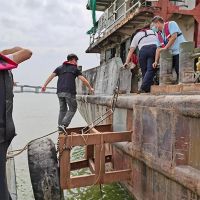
(72, 56)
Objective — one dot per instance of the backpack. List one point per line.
(167, 34)
(6, 63)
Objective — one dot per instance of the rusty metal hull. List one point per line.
(164, 152)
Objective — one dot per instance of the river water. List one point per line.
(36, 115)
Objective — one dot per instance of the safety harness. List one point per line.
(146, 34)
(167, 34)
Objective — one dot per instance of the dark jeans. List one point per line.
(176, 64)
(146, 59)
(4, 193)
(68, 107)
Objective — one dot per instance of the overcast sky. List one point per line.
(51, 29)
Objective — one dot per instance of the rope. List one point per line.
(110, 112)
(12, 154)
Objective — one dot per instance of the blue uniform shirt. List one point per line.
(174, 28)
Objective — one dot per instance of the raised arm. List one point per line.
(172, 39)
(50, 78)
(11, 51)
(19, 54)
(86, 83)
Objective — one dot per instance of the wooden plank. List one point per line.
(116, 176)
(87, 163)
(102, 163)
(99, 162)
(64, 165)
(89, 153)
(108, 158)
(91, 166)
(108, 149)
(109, 177)
(81, 181)
(100, 128)
(79, 164)
(89, 139)
(90, 148)
(104, 128)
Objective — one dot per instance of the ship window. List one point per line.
(110, 53)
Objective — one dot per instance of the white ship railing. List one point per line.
(114, 14)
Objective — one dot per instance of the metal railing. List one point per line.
(115, 13)
(33, 89)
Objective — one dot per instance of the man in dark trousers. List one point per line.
(66, 89)
(7, 128)
(146, 41)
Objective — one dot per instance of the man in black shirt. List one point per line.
(66, 89)
(7, 128)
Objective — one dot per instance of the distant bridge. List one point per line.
(33, 89)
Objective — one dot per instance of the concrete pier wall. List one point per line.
(164, 152)
(104, 78)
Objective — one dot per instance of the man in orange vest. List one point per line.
(169, 37)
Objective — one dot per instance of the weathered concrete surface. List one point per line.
(11, 177)
(186, 64)
(104, 78)
(165, 77)
(186, 89)
(164, 150)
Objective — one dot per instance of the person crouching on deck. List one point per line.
(169, 37)
(146, 41)
(66, 89)
(14, 56)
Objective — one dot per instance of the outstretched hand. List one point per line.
(154, 65)
(91, 90)
(125, 66)
(43, 89)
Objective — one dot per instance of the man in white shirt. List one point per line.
(146, 41)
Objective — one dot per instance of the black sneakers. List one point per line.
(141, 91)
(62, 129)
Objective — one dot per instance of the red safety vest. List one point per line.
(6, 63)
(134, 59)
(167, 34)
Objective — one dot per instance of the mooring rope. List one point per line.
(12, 154)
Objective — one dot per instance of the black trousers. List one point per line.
(4, 193)
(146, 59)
(175, 64)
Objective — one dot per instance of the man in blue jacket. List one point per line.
(170, 37)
